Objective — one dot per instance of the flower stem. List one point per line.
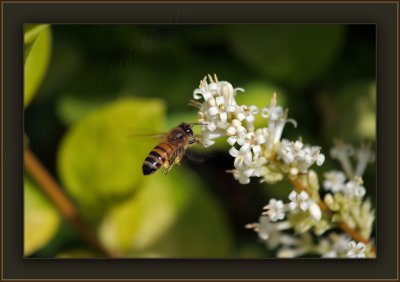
(55, 193)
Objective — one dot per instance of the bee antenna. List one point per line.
(197, 123)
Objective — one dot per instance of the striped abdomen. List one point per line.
(157, 157)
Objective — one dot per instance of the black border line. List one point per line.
(383, 14)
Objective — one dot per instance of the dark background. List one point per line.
(383, 14)
(323, 73)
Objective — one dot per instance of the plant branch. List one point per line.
(53, 190)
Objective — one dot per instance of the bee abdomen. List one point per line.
(156, 158)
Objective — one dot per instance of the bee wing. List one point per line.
(143, 139)
(194, 158)
(147, 135)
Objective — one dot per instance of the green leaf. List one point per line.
(41, 219)
(290, 54)
(77, 253)
(100, 160)
(171, 216)
(37, 51)
(32, 31)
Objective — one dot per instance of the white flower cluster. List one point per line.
(343, 152)
(299, 202)
(335, 181)
(304, 214)
(341, 246)
(252, 148)
(263, 153)
(298, 158)
(290, 246)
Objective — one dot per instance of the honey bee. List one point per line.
(171, 150)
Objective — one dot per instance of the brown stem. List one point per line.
(53, 190)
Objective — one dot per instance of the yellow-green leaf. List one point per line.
(37, 51)
(171, 216)
(100, 161)
(41, 219)
(77, 253)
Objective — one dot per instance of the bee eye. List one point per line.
(189, 131)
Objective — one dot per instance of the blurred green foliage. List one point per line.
(107, 84)
(97, 157)
(169, 217)
(37, 52)
(293, 55)
(41, 219)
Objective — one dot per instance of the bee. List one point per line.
(171, 150)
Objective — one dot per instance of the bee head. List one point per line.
(187, 128)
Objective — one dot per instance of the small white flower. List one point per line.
(334, 181)
(269, 231)
(298, 201)
(241, 157)
(236, 133)
(303, 202)
(298, 156)
(256, 166)
(270, 176)
(275, 210)
(272, 112)
(261, 135)
(240, 175)
(355, 250)
(247, 113)
(205, 90)
(208, 136)
(291, 252)
(286, 151)
(364, 155)
(315, 211)
(219, 104)
(297, 247)
(354, 188)
(342, 153)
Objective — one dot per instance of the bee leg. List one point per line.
(168, 166)
(195, 141)
(178, 160)
(194, 103)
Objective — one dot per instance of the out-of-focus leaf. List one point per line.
(37, 51)
(290, 54)
(171, 216)
(100, 160)
(32, 31)
(351, 114)
(41, 219)
(77, 253)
